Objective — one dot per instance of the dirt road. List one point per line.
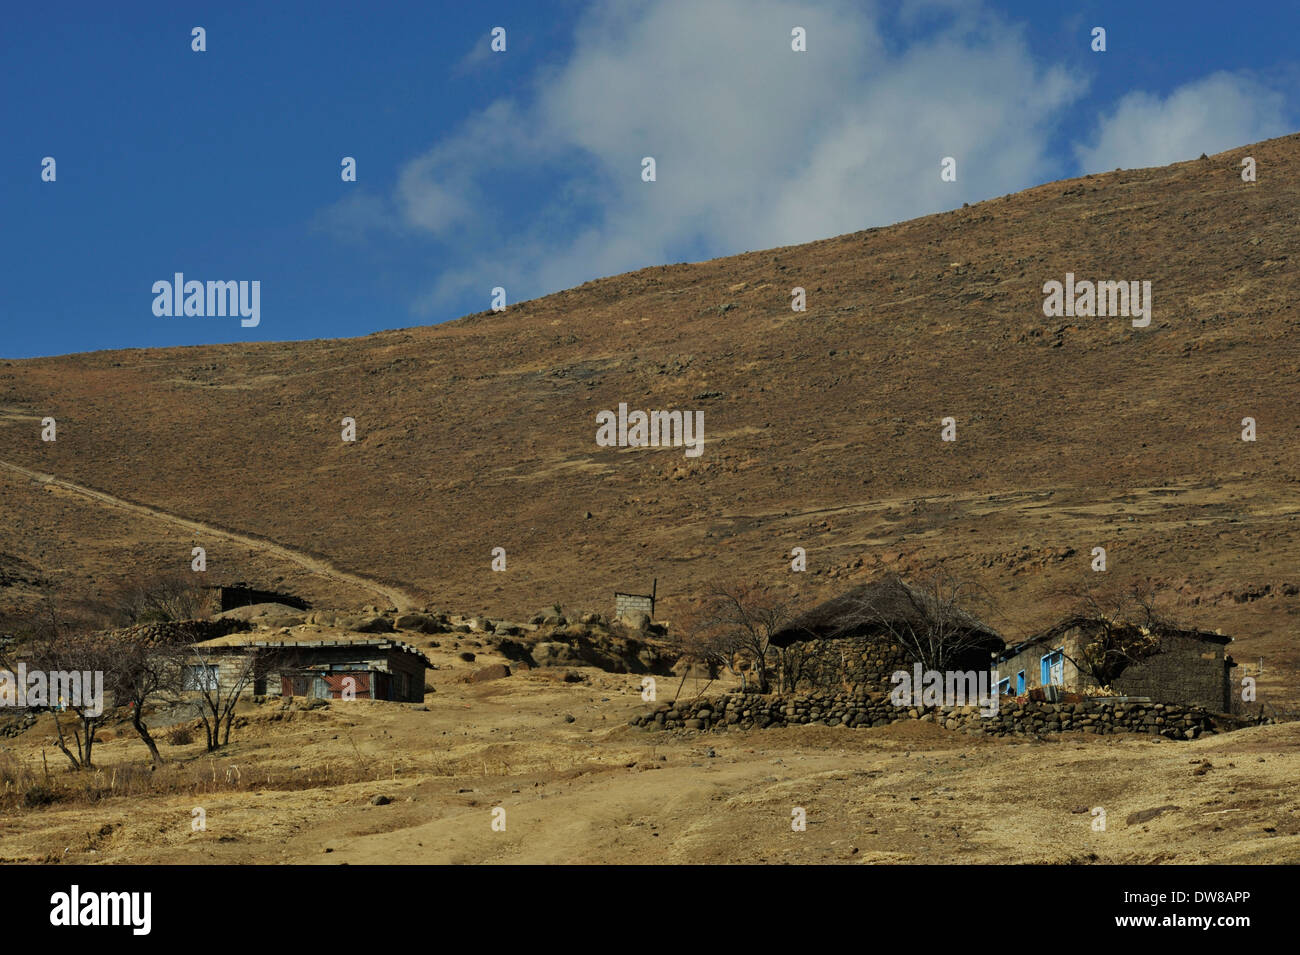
(396, 596)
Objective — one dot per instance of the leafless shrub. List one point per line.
(157, 598)
(934, 617)
(1125, 623)
(732, 626)
(180, 735)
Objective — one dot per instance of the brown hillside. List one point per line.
(822, 427)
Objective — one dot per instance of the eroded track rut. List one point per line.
(316, 565)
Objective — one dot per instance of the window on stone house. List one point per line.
(199, 677)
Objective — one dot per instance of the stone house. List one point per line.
(359, 668)
(851, 640)
(223, 597)
(627, 604)
(1191, 667)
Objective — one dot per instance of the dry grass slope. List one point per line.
(822, 427)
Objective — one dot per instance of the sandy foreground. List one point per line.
(596, 790)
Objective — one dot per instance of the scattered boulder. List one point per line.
(610, 653)
(552, 653)
(650, 658)
(636, 620)
(366, 623)
(516, 652)
(699, 670)
(419, 622)
(18, 723)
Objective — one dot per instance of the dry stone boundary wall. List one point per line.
(1103, 717)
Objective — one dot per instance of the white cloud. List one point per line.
(1209, 115)
(756, 145)
(354, 218)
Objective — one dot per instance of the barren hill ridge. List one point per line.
(821, 428)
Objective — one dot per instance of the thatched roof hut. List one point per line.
(889, 603)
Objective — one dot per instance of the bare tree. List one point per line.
(58, 643)
(162, 669)
(75, 665)
(1123, 626)
(697, 644)
(149, 673)
(934, 617)
(216, 690)
(733, 627)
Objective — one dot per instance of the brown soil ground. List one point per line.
(597, 790)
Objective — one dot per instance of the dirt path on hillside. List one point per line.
(398, 597)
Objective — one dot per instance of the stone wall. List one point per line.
(860, 708)
(847, 662)
(1185, 670)
(16, 722)
(183, 631)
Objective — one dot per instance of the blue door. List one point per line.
(1053, 668)
(1020, 683)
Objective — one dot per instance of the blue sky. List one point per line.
(522, 169)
